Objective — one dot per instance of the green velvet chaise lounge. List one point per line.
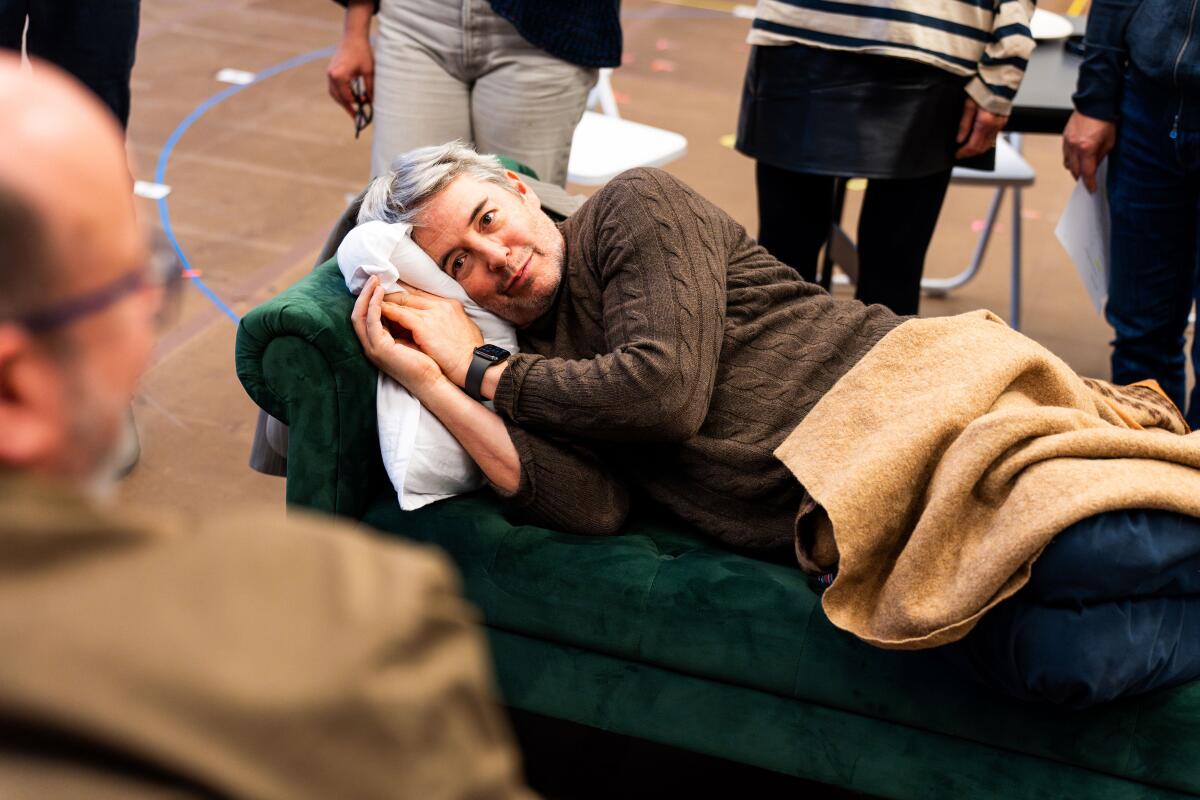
(663, 635)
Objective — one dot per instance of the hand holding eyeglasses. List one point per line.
(351, 77)
(363, 112)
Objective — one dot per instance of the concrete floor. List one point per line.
(258, 177)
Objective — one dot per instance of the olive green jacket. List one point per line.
(240, 656)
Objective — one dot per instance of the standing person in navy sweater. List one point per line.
(880, 92)
(1138, 103)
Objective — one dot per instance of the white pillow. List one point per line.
(423, 460)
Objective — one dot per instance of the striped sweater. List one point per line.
(988, 40)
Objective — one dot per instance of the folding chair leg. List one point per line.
(1014, 313)
(940, 287)
(838, 203)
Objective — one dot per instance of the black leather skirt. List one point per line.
(836, 112)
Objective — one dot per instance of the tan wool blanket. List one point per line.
(950, 456)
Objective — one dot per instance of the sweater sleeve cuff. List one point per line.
(1101, 81)
(987, 99)
(1105, 108)
(508, 388)
(521, 392)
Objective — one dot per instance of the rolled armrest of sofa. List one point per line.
(299, 360)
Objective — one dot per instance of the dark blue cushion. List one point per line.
(1112, 609)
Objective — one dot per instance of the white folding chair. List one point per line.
(605, 145)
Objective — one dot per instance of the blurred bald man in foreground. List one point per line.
(148, 656)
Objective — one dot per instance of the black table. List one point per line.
(1043, 103)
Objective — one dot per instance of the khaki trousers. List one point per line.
(454, 69)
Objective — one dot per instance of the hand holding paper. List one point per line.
(1083, 231)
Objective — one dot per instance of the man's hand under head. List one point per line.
(439, 327)
(405, 362)
(437, 341)
(481, 432)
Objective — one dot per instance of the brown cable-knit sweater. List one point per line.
(678, 355)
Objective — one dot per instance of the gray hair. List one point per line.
(416, 176)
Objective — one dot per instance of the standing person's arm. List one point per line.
(998, 76)
(1102, 74)
(353, 58)
(1002, 66)
(1092, 131)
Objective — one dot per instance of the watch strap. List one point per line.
(474, 381)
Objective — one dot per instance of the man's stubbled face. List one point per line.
(498, 244)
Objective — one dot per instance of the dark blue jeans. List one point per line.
(94, 41)
(1154, 194)
(1112, 609)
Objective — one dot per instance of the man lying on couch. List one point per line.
(953, 475)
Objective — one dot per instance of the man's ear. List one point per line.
(30, 429)
(518, 184)
(525, 190)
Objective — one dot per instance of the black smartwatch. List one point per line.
(484, 357)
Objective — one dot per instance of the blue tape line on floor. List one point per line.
(160, 172)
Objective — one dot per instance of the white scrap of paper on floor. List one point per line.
(1083, 231)
(236, 76)
(743, 11)
(151, 191)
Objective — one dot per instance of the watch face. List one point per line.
(492, 352)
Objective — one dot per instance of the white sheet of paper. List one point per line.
(1083, 231)
(238, 77)
(151, 191)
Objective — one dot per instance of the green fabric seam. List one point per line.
(803, 648)
(646, 601)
